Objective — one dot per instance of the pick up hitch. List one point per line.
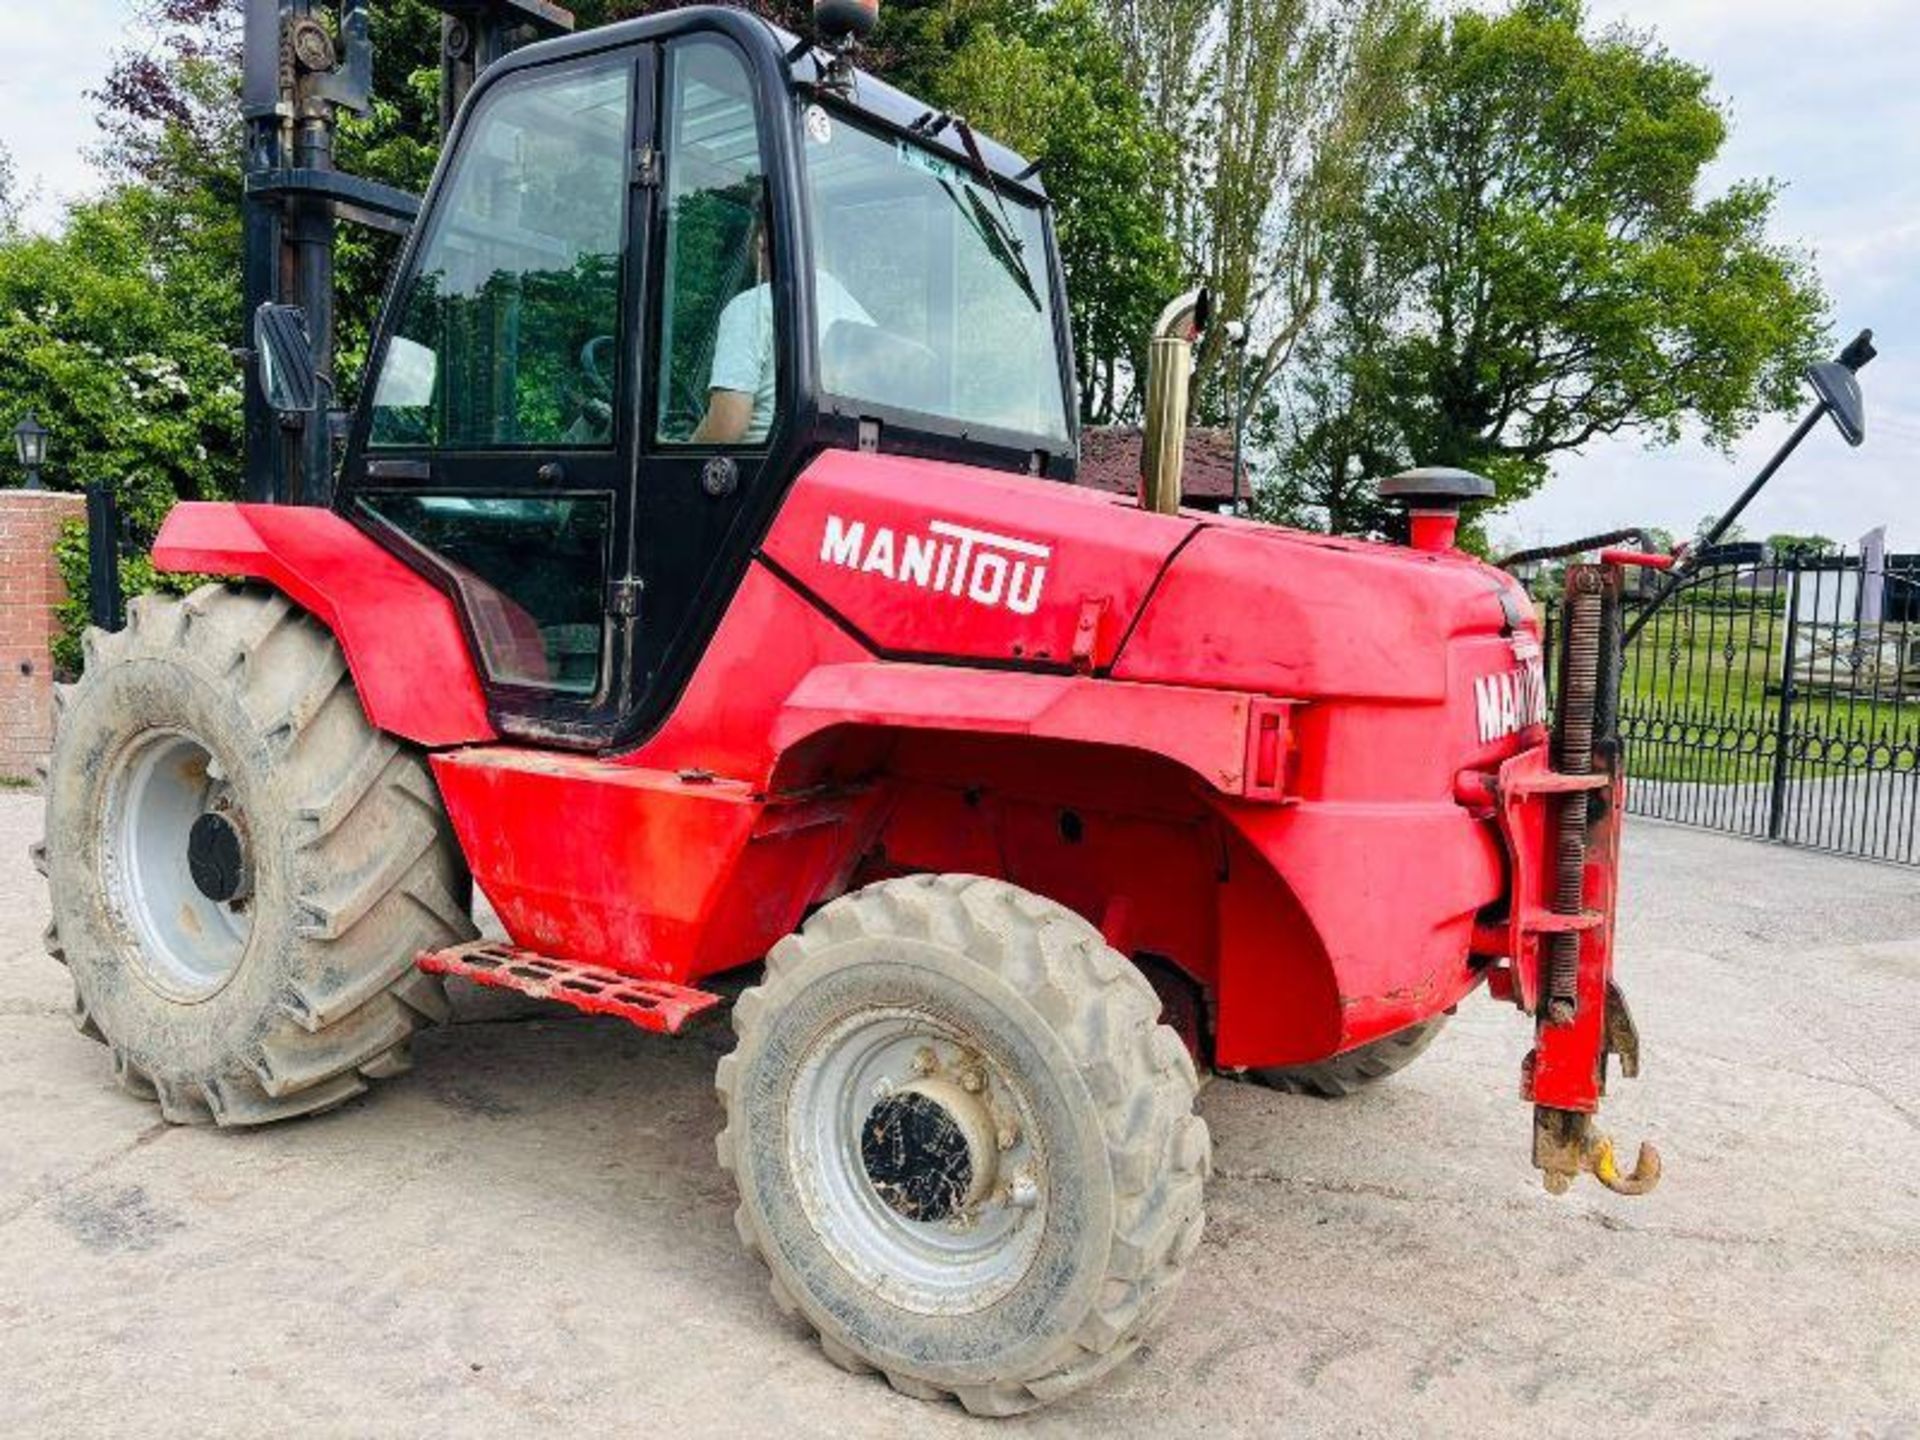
(1565, 1144)
(1581, 1019)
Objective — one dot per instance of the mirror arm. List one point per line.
(1858, 354)
(1677, 576)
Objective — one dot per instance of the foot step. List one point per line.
(650, 1004)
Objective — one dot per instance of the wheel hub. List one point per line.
(176, 865)
(217, 857)
(929, 1150)
(917, 1158)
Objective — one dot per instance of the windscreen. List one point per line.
(932, 292)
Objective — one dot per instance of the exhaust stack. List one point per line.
(1163, 448)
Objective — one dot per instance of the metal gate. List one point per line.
(1779, 698)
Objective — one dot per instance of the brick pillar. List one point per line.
(30, 588)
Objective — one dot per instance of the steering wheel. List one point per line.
(593, 358)
(596, 388)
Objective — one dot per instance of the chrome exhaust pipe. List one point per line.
(1163, 448)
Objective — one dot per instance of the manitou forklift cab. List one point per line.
(636, 226)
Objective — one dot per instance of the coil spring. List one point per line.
(1573, 755)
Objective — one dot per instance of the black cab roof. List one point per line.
(806, 67)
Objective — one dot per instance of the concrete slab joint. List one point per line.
(30, 594)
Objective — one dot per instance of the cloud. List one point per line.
(55, 54)
(1828, 102)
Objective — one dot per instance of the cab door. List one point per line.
(496, 451)
(721, 323)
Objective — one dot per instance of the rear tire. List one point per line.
(964, 1147)
(1358, 1068)
(242, 869)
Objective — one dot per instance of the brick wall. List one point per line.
(30, 587)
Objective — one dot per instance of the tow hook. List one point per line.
(1565, 1144)
(1646, 1167)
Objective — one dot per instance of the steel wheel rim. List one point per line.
(184, 944)
(949, 1266)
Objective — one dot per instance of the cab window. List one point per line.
(717, 350)
(508, 334)
(529, 573)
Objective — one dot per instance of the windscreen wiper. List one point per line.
(1002, 243)
(995, 228)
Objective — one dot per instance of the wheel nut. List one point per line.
(925, 1062)
(1006, 1135)
(1023, 1191)
(972, 1081)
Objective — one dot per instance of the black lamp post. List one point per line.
(30, 445)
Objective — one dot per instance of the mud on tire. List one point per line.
(1022, 1003)
(295, 993)
(1358, 1068)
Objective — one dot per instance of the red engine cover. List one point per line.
(924, 558)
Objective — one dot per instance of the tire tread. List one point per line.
(1349, 1073)
(375, 824)
(1107, 1014)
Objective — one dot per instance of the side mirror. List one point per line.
(1837, 386)
(288, 377)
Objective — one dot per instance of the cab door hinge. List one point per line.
(646, 167)
(623, 597)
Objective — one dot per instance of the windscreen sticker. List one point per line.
(918, 159)
(819, 125)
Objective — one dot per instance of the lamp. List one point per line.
(30, 445)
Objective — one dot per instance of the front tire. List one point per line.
(964, 1147)
(242, 869)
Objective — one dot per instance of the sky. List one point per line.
(1824, 97)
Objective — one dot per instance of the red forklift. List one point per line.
(701, 574)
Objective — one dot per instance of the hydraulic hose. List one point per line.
(1565, 548)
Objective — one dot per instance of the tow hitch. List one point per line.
(1560, 815)
(1565, 1142)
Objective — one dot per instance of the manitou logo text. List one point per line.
(999, 571)
(1512, 700)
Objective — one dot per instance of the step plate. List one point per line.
(650, 1004)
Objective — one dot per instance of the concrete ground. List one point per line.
(529, 1232)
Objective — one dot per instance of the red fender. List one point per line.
(402, 638)
(1216, 734)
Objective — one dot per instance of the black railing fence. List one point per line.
(1779, 697)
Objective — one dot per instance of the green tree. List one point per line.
(9, 204)
(1736, 533)
(1787, 545)
(108, 336)
(115, 333)
(1277, 110)
(1538, 268)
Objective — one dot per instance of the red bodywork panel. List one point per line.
(1233, 748)
(921, 558)
(401, 636)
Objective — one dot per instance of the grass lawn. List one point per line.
(1701, 702)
